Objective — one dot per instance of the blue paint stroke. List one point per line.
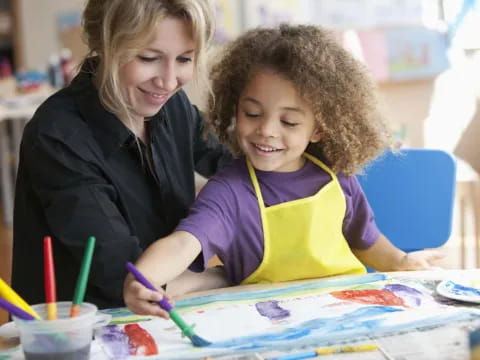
(115, 341)
(272, 310)
(411, 296)
(355, 320)
(461, 290)
(271, 293)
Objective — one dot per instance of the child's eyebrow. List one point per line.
(288, 108)
(250, 99)
(292, 108)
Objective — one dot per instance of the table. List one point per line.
(433, 342)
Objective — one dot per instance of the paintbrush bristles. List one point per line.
(197, 341)
(187, 330)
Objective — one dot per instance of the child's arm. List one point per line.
(189, 281)
(384, 256)
(164, 260)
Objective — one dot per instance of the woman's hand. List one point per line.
(141, 300)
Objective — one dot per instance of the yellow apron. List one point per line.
(303, 238)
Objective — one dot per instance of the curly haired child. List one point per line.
(302, 115)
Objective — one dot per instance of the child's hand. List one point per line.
(421, 260)
(141, 300)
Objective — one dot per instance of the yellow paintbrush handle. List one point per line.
(10, 295)
(345, 349)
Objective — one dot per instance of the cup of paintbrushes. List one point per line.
(65, 338)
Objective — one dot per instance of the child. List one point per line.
(279, 213)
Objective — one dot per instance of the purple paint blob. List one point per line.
(115, 341)
(411, 297)
(272, 310)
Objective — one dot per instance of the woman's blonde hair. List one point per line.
(337, 87)
(117, 30)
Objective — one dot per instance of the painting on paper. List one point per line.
(311, 313)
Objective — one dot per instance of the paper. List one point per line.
(319, 313)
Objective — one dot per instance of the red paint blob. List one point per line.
(140, 342)
(370, 296)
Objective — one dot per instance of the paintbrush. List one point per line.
(82, 279)
(15, 310)
(10, 295)
(49, 271)
(187, 330)
(328, 351)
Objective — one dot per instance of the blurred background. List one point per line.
(424, 55)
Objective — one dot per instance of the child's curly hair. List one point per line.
(338, 88)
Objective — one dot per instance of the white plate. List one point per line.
(9, 330)
(9, 335)
(464, 290)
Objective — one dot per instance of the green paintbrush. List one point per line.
(82, 278)
(187, 330)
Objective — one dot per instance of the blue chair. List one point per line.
(412, 194)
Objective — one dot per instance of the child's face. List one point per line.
(161, 69)
(274, 124)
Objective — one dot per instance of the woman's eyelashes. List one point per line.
(184, 59)
(149, 59)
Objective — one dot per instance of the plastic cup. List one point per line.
(63, 339)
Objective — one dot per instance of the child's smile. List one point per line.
(274, 124)
(265, 149)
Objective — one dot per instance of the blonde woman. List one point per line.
(113, 155)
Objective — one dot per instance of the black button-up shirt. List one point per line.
(83, 174)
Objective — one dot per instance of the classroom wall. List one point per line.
(40, 36)
(407, 104)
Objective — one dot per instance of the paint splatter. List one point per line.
(272, 310)
(140, 341)
(411, 296)
(370, 296)
(115, 342)
(462, 290)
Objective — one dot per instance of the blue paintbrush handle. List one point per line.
(164, 304)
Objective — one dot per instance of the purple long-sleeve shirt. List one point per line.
(225, 218)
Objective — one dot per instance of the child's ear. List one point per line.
(316, 136)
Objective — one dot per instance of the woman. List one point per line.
(113, 155)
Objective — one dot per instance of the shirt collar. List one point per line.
(111, 134)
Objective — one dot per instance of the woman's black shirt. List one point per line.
(83, 174)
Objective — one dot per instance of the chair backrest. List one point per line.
(412, 194)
